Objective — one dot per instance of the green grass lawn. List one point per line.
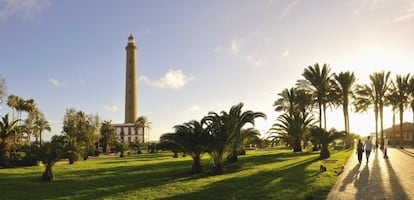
(274, 174)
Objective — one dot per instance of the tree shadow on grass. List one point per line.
(282, 183)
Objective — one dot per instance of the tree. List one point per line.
(237, 120)
(292, 128)
(12, 102)
(325, 138)
(411, 91)
(381, 83)
(167, 143)
(401, 88)
(40, 125)
(107, 132)
(317, 82)
(85, 128)
(119, 147)
(365, 98)
(51, 152)
(192, 139)
(293, 100)
(136, 145)
(343, 87)
(143, 123)
(392, 100)
(7, 132)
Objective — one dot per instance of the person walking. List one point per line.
(385, 147)
(368, 147)
(360, 150)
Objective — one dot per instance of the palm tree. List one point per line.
(317, 82)
(325, 138)
(343, 86)
(237, 120)
(142, 122)
(292, 128)
(12, 102)
(381, 83)
(107, 135)
(247, 134)
(119, 147)
(7, 132)
(401, 88)
(392, 100)
(41, 124)
(411, 89)
(51, 152)
(293, 100)
(365, 98)
(192, 139)
(167, 143)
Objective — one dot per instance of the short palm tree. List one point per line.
(325, 138)
(51, 152)
(293, 127)
(167, 143)
(237, 120)
(192, 139)
(7, 132)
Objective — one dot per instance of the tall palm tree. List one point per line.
(107, 132)
(293, 127)
(365, 98)
(381, 84)
(7, 132)
(292, 100)
(343, 87)
(143, 123)
(317, 82)
(41, 124)
(411, 89)
(392, 100)
(325, 138)
(12, 102)
(401, 88)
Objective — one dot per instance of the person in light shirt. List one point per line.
(368, 147)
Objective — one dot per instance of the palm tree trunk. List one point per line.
(393, 128)
(40, 135)
(382, 125)
(48, 173)
(324, 116)
(320, 114)
(401, 126)
(196, 165)
(376, 125)
(325, 152)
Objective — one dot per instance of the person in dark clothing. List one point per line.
(360, 150)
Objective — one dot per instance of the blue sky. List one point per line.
(194, 56)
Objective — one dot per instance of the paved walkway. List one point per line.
(380, 178)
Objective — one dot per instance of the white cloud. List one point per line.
(254, 59)
(193, 108)
(234, 47)
(55, 83)
(112, 109)
(285, 53)
(26, 9)
(405, 15)
(288, 9)
(173, 79)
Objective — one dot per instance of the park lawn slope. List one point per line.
(274, 174)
